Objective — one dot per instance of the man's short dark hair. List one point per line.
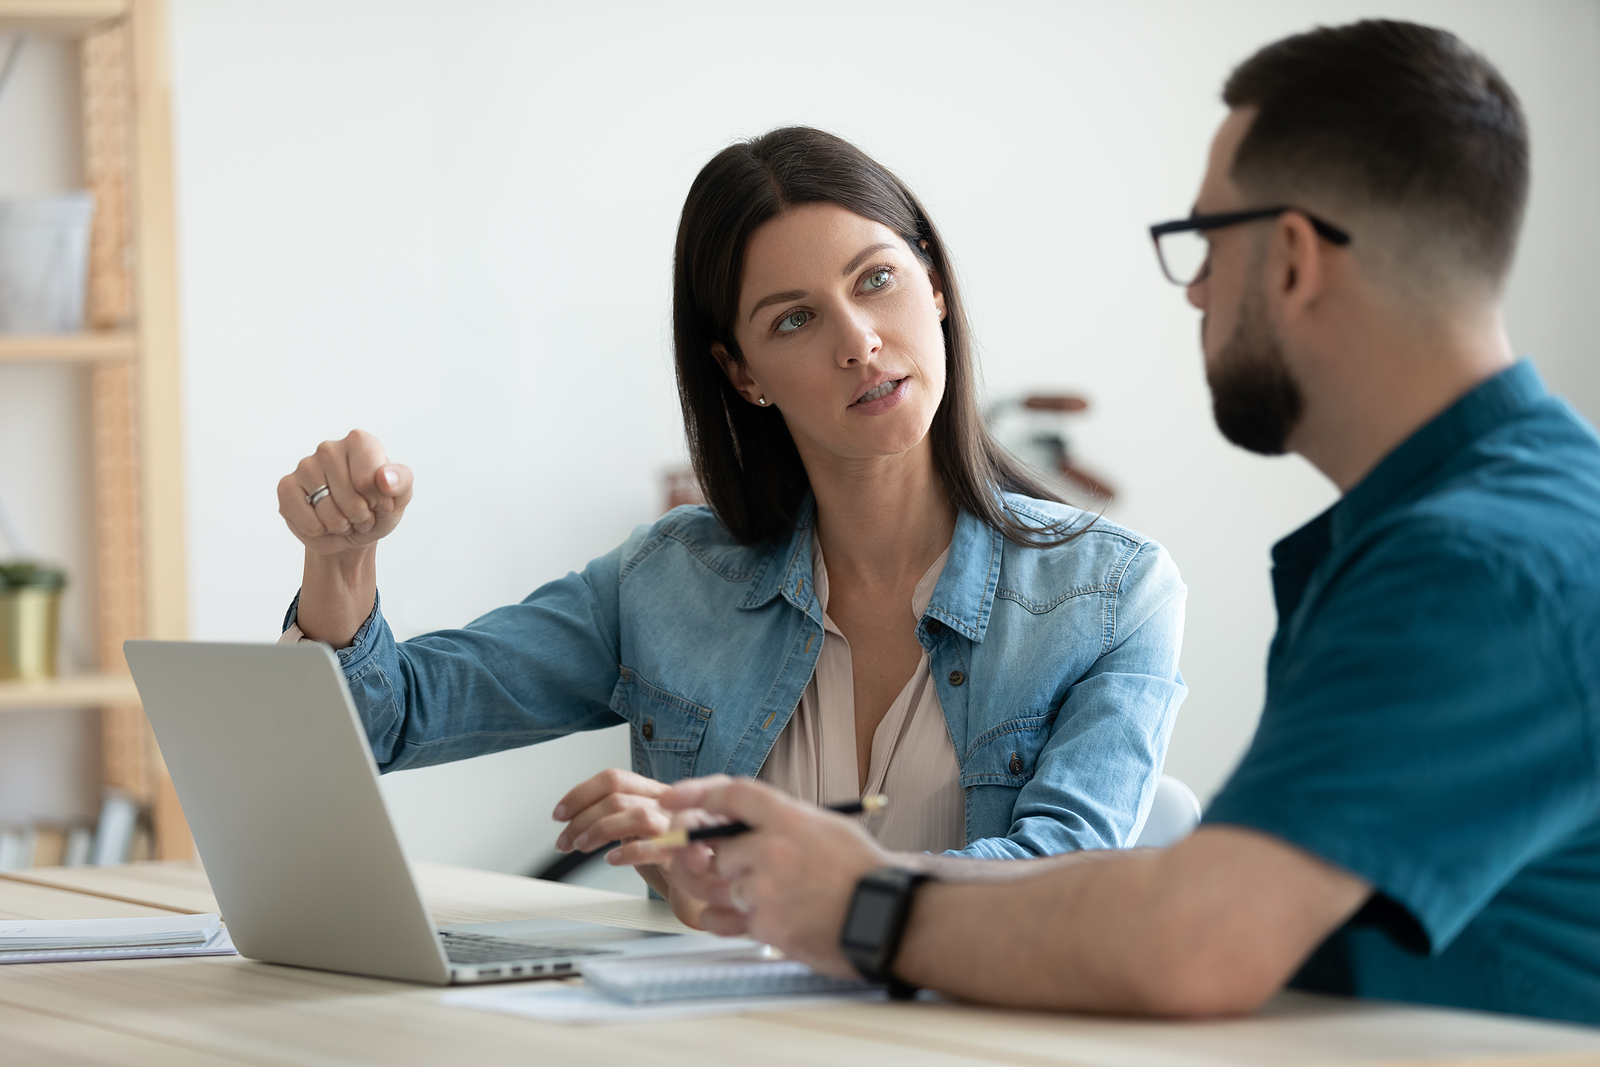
(1401, 119)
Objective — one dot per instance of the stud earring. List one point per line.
(762, 401)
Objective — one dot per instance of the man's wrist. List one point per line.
(875, 921)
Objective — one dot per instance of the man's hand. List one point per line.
(790, 879)
(366, 495)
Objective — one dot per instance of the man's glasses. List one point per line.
(1185, 254)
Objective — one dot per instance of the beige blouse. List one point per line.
(913, 760)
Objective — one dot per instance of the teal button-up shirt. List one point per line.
(1432, 719)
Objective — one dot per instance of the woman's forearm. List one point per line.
(337, 593)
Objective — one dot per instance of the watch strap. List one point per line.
(876, 921)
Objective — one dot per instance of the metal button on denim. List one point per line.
(1016, 763)
(649, 730)
(956, 677)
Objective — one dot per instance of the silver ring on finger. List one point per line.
(317, 495)
(736, 898)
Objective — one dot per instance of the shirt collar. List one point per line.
(1412, 465)
(962, 600)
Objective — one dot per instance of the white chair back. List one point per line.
(1174, 814)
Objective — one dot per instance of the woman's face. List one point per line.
(839, 326)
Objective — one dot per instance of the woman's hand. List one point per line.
(366, 495)
(790, 878)
(618, 805)
(686, 876)
(614, 805)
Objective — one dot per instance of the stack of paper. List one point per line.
(52, 940)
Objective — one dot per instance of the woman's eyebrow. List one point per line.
(778, 298)
(862, 255)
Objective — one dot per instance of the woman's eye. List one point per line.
(793, 321)
(877, 279)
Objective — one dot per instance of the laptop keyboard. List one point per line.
(482, 948)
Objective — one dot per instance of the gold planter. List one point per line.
(30, 619)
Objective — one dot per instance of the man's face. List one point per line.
(1254, 398)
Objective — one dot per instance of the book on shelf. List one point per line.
(121, 835)
(45, 844)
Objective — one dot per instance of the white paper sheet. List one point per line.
(42, 935)
(219, 945)
(577, 1005)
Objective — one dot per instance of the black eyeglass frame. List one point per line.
(1326, 230)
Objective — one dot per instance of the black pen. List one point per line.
(679, 838)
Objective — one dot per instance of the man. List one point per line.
(1418, 816)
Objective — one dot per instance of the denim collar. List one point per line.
(1417, 461)
(962, 600)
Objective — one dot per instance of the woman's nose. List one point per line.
(858, 341)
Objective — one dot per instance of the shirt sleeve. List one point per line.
(524, 673)
(1097, 772)
(1423, 729)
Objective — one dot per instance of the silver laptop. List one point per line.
(275, 775)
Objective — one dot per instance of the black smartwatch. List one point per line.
(874, 923)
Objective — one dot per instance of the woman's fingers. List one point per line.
(592, 790)
(640, 818)
(365, 494)
(300, 516)
(366, 462)
(615, 817)
(339, 464)
(394, 488)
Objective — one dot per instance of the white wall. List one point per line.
(451, 224)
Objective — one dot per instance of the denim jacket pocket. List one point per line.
(1007, 754)
(665, 730)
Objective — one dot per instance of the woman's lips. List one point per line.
(877, 401)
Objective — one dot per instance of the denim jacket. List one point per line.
(1057, 668)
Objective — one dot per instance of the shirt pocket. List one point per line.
(1006, 754)
(666, 730)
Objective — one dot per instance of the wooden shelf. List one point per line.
(111, 346)
(68, 17)
(75, 691)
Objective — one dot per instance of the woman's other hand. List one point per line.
(618, 805)
(614, 805)
(686, 876)
(365, 499)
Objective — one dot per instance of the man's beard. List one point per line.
(1253, 397)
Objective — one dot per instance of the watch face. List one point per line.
(869, 920)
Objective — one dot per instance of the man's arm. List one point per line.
(1212, 926)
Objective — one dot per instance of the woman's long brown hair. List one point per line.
(744, 457)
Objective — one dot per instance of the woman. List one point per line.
(877, 598)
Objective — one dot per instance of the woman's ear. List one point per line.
(738, 374)
(938, 292)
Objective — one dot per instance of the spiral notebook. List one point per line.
(743, 972)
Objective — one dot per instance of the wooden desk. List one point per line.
(231, 1010)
